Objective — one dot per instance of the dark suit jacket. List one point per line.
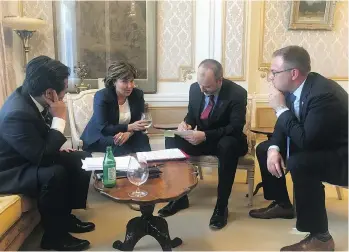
(228, 116)
(26, 143)
(323, 121)
(105, 118)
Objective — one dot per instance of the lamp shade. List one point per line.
(23, 23)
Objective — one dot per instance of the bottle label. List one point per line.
(111, 173)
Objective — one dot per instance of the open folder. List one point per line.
(162, 155)
(183, 133)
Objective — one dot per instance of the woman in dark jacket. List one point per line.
(117, 111)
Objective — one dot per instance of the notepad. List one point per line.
(162, 155)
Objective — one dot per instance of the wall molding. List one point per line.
(167, 100)
(244, 39)
(184, 71)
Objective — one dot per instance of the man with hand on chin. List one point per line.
(311, 139)
(217, 109)
(32, 163)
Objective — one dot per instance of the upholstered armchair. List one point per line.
(80, 109)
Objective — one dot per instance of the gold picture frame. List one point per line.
(312, 15)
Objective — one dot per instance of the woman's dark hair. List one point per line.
(119, 70)
(43, 73)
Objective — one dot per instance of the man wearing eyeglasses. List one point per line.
(310, 140)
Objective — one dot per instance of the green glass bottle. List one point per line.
(109, 169)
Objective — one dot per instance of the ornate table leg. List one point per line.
(147, 224)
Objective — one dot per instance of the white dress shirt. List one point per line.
(296, 105)
(124, 113)
(57, 123)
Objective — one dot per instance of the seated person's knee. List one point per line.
(262, 148)
(55, 175)
(227, 146)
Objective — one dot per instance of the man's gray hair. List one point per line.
(295, 57)
(215, 66)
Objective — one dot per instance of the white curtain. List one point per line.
(7, 79)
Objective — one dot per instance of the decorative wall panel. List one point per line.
(328, 49)
(233, 39)
(176, 36)
(42, 42)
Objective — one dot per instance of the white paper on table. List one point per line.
(161, 155)
(96, 163)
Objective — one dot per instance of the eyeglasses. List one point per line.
(274, 73)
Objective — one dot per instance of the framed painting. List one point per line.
(96, 33)
(312, 15)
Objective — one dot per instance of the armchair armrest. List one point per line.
(75, 138)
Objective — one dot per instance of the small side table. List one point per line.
(263, 131)
(177, 179)
(166, 126)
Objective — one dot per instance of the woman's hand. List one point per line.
(121, 138)
(137, 126)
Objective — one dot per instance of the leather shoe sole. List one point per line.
(70, 244)
(166, 213)
(218, 222)
(174, 206)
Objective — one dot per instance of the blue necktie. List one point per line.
(291, 98)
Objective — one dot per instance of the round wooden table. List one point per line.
(263, 131)
(166, 126)
(177, 179)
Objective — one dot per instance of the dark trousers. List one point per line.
(61, 188)
(138, 142)
(227, 149)
(308, 170)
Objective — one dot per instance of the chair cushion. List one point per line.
(245, 160)
(204, 159)
(10, 211)
(19, 231)
(28, 203)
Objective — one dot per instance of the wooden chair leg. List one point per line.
(294, 202)
(200, 172)
(339, 192)
(250, 176)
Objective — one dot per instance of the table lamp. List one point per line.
(24, 27)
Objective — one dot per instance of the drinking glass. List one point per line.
(147, 117)
(137, 174)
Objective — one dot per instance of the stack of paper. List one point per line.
(162, 155)
(96, 163)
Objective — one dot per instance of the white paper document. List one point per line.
(96, 163)
(161, 155)
(172, 133)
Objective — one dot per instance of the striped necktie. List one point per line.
(206, 113)
(47, 117)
